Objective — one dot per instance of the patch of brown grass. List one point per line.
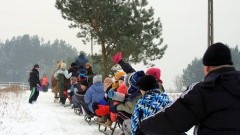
(12, 88)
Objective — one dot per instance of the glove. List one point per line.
(111, 93)
(39, 87)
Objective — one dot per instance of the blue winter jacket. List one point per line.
(95, 93)
(149, 104)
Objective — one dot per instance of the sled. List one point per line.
(112, 129)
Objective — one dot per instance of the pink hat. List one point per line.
(155, 72)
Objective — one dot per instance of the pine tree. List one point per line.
(117, 25)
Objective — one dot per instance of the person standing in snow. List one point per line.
(212, 105)
(34, 83)
(63, 82)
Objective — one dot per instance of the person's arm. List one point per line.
(184, 113)
(135, 119)
(87, 97)
(67, 75)
(127, 68)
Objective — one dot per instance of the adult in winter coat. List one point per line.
(94, 94)
(212, 105)
(63, 82)
(34, 83)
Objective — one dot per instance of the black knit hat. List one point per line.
(147, 83)
(216, 55)
(36, 66)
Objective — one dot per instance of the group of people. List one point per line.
(138, 102)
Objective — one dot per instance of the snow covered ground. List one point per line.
(44, 117)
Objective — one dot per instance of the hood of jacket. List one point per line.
(227, 77)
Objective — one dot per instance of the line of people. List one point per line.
(126, 98)
(136, 99)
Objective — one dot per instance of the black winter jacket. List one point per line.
(34, 78)
(212, 105)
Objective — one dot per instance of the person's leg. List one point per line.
(36, 95)
(123, 116)
(86, 110)
(126, 127)
(33, 90)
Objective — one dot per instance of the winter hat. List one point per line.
(122, 89)
(119, 74)
(84, 82)
(88, 65)
(134, 77)
(147, 82)
(155, 72)
(73, 64)
(36, 66)
(216, 55)
(97, 79)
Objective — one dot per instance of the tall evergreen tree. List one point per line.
(117, 25)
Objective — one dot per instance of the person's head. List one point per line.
(63, 65)
(147, 83)
(84, 84)
(155, 72)
(107, 82)
(88, 65)
(73, 64)
(73, 80)
(132, 81)
(216, 56)
(36, 66)
(121, 80)
(97, 79)
(58, 64)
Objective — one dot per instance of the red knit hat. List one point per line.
(155, 72)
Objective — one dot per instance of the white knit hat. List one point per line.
(97, 79)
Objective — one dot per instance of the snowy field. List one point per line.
(44, 117)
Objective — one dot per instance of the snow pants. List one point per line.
(34, 94)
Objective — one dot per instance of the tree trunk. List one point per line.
(104, 57)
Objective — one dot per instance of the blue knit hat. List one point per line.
(133, 79)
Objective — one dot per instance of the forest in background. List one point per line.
(19, 54)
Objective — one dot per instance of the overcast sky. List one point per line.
(184, 27)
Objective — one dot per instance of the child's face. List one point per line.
(106, 85)
(73, 82)
(83, 87)
(120, 82)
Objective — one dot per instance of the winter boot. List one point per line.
(117, 57)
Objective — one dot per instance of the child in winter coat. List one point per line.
(94, 94)
(151, 102)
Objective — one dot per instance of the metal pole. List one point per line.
(210, 22)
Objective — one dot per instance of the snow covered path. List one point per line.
(42, 118)
(45, 118)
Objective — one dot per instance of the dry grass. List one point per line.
(10, 100)
(12, 88)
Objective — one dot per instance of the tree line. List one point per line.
(194, 71)
(19, 54)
